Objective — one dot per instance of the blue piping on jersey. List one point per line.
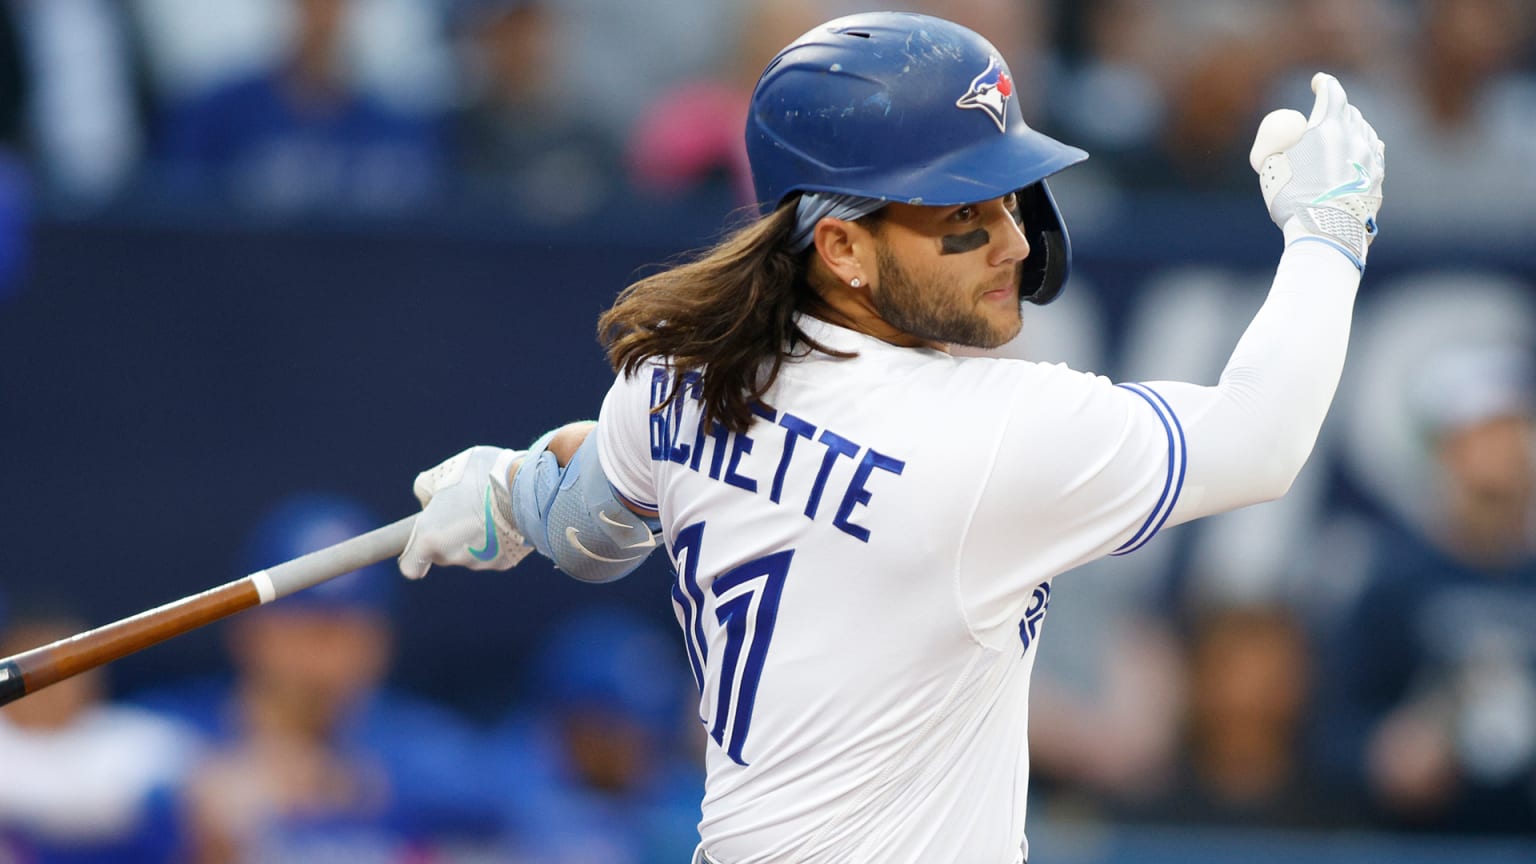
(654, 508)
(1174, 482)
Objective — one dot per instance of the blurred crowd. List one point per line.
(301, 751)
(554, 109)
(1365, 663)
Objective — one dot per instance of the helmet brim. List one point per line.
(990, 168)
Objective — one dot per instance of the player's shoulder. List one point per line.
(1037, 401)
(991, 374)
(637, 383)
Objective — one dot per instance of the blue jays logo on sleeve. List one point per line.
(1034, 616)
(990, 92)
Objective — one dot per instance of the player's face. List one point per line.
(951, 274)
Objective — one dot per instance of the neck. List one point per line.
(854, 309)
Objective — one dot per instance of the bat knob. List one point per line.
(12, 685)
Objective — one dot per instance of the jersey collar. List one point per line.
(841, 338)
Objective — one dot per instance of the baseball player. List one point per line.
(865, 529)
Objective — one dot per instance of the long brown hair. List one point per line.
(728, 315)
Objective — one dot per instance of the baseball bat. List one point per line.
(33, 670)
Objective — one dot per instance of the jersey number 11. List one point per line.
(746, 603)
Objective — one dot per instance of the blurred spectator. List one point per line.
(393, 49)
(1107, 691)
(192, 46)
(1111, 101)
(1357, 41)
(1381, 409)
(617, 57)
(1458, 121)
(72, 101)
(310, 757)
(1433, 694)
(694, 134)
(1163, 119)
(595, 765)
(1166, 96)
(83, 780)
(1214, 89)
(303, 135)
(517, 140)
(1245, 759)
(399, 51)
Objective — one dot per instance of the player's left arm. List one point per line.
(1245, 439)
(1248, 437)
(488, 507)
(1119, 463)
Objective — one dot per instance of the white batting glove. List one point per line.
(466, 516)
(1321, 176)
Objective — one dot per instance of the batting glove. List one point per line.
(1321, 176)
(466, 516)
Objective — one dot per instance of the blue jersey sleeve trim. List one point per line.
(1173, 483)
(634, 502)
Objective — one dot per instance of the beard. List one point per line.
(938, 313)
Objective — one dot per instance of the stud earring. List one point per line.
(855, 283)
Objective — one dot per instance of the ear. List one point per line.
(846, 250)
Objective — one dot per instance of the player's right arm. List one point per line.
(488, 507)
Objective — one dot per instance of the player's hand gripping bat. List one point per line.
(33, 670)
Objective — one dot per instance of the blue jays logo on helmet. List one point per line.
(990, 92)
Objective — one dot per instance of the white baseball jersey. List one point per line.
(864, 575)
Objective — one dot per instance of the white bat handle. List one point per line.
(321, 565)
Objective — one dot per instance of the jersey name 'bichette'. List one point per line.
(727, 449)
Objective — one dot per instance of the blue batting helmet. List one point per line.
(905, 107)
